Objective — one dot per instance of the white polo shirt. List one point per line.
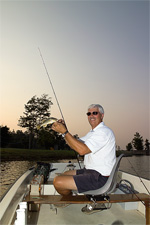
(101, 142)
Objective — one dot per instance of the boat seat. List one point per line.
(110, 185)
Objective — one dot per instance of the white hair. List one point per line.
(97, 106)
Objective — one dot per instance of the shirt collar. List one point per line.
(98, 126)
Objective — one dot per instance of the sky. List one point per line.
(94, 51)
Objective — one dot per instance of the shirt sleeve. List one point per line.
(96, 141)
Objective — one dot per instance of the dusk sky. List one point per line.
(94, 51)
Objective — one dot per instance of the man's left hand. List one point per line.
(59, 127)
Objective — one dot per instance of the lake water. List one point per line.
(12, 170)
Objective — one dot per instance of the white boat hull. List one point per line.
(71, 214)
(16, 193)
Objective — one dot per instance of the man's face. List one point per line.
(94, 120)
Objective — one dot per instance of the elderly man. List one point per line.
(98, 148)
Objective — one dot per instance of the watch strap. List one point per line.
(64, 134)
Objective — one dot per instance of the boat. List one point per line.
(32, 199)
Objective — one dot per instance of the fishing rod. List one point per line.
(51, 84)
(55, 96)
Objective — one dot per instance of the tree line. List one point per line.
(138, 143)
(37, 110)
(46, 139)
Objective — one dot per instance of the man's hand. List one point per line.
(59, 126)
(75, 144)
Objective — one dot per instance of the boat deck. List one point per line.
(126, 208)
(72, 215)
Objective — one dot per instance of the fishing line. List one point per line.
(51, 84)
(55, 95)
(131, 189)
(138, 176)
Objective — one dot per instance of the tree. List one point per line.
(19, 139)
(137, 141)
(36, 110)
(46, 139)
(147, 144)
(4, 136)
(129, 147)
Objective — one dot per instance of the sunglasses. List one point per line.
(93, 113)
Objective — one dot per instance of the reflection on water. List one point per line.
(10, 171)
(136, 165)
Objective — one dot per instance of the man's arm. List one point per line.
(75, 144)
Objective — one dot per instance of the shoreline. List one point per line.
(10, 154)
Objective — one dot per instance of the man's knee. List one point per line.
(64, 183)
(57, 182)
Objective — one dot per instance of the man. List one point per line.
(98, 148)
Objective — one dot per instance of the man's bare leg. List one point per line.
(69, 172)
(65, 183)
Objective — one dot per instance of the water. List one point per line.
(136, 165)
(12, 170)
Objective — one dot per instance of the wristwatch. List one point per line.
(63, 135)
